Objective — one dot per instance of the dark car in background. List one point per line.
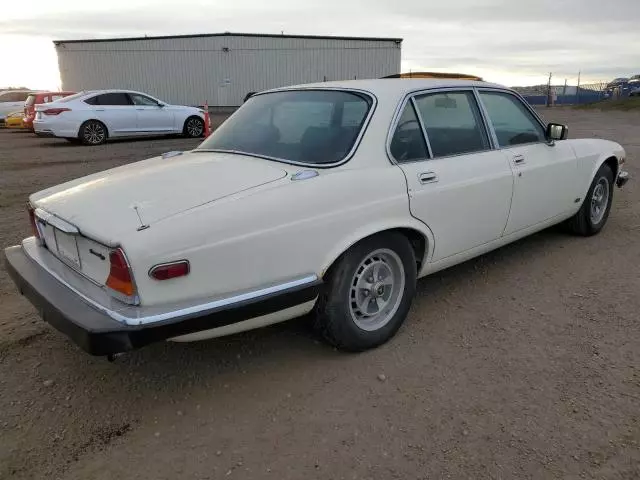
(634, 86)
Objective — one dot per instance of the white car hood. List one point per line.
(142, 193)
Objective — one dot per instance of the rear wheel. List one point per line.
(594, 212)
(368, 293)
(193, 127)
(93, 132)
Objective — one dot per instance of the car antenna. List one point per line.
(142, 226)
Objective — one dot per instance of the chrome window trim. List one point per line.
(528, 107)
(410, 96)
(491, 133)
(177, 313)
(425, 137)
(349, 155)
(488, 124)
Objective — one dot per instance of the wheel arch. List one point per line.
(419, 236)
(106, 127)
(608, 159)
(189, 117)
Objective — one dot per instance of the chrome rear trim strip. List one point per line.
(138, 316)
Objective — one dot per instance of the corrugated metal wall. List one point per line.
(196, 70)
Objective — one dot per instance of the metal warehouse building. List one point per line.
(220, 69)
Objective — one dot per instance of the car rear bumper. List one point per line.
(55, 127)
(99, 334)
(623, 178)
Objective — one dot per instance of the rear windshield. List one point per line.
(71, 97)
(31, 99)
(304, 126)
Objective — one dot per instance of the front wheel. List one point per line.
(368, 293)
(193, 127)
(594, 212)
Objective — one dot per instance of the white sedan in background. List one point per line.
(12, 100)
(331, 198)
(95, 116)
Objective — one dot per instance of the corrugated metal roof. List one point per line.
(230, 34)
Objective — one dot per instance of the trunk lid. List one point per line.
(136, 195)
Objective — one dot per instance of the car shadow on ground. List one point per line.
(58, 143)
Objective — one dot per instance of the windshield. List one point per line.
(303, 126)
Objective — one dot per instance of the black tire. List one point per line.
(334, 317)
(583, 223)
(193, 127)
(93, 132)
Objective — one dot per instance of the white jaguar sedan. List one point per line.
(330, 199)
(93, 117)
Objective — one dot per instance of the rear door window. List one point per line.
(111, 99)
(453, 123)
(407, 144)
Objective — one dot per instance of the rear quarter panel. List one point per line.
(271, 234)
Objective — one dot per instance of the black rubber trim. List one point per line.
(98, 334)
(228, 34)
(623, 178)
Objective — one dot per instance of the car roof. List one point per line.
(113, 90)
(398, 86)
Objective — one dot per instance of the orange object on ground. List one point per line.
(207, 131)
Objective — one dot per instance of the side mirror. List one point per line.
(161, 105)
(557, 131)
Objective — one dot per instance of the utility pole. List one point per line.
(549, 89)
(578, 89)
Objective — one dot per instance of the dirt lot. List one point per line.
(524, 363)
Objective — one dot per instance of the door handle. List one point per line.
(139, 108)
(518, 159)
(427, 177)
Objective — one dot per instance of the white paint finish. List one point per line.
(154, 119)
(497, 243)
(545, 183)
(467, 205)
(258, 322)
(243, 224)
(120, 120)
(591, 154)
(266, 234)
(158, 187)
(196, 70)
(97, 297)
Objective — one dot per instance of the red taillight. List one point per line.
(32, 220)
(170, 270)
(55, 111)
(120, 278)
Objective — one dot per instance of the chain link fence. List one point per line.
(574, 94)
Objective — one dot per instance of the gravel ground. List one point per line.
(523, 363)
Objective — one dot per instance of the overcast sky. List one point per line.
(514, 42)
